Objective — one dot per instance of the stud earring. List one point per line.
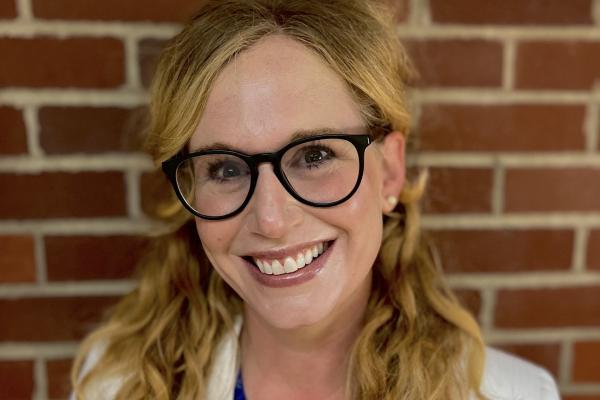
(393, 200)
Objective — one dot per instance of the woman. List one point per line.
(295, 268)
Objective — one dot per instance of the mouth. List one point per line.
(289, 264)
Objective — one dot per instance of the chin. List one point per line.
(291, 318)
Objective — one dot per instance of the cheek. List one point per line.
(214, 236)
(361, 215)
(367, 199)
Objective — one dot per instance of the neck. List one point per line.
(305, 362)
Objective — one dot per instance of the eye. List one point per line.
(316, 155)
(222, 171)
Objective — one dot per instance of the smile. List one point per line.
(289, 264)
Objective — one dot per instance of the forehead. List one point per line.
(269, 92)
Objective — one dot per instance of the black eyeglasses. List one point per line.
(320, 171)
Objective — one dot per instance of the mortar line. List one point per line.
(580, 249)
(64, 29)
(40, 380)
(592, 127)
(581, 389)
(132, 184)
(566, 362)
(69, 96)
(497, 195)
(142, 226)
(542, 335)
(544, 280)
(24, 11)
(523, 159)
(419, 13)
(40, 259)
(486, 314)
(32, 126)
(100, 226)
(131, 63)
(596, 11)
(508, 64)
(134, 98)
(493, 96)
(80, 289)
(25, 350)
(77, 163)
(511, 221)
(530, 32)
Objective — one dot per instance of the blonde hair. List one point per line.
(417, 343)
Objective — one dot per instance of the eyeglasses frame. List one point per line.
(360, 142)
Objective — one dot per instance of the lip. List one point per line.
(295, 278)
(281, 254)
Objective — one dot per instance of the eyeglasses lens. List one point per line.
(320, 171)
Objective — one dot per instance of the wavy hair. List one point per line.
(417, 342)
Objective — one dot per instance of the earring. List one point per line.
(393, 200)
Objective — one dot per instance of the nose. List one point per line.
(272, 211)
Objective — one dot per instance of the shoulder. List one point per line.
(507, 377)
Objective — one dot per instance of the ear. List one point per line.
(394, 168)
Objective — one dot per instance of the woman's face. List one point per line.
(267, 94)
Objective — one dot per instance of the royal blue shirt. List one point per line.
(239, 394)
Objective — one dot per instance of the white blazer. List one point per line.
(506, 377)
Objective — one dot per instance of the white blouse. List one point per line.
(506, 377)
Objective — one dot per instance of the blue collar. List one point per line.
(239, 394)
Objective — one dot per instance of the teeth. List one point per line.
(266, 268)
(277, 268)
(290, 264)
(300, 262)
(308, 256)
(259, 264)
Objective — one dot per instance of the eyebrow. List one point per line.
(300, 134)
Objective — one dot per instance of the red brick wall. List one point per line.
(508, 113)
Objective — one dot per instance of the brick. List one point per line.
(552, 189)
(586, 363)
(517, 12)
(131, 10)
(571, 65)
(62, 195)
(92, 257)
(51, 319)
(58, 377)
(441, 63)
(552, 308)
(13, 136)
(471, 300)
(400, 9)
(522, 127)
(458, 190)
(593, 250)
(50, 62)
(149, 52)
(155, 190)
(87, 129)
(546, 355)
(17, 259)
(16, 380)
(504, 250)
(8, 9)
